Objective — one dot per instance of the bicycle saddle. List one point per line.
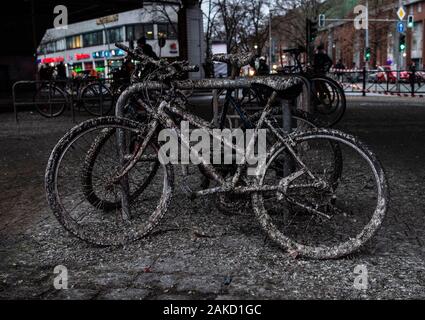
(238, 60)
(282, 84)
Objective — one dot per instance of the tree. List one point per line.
(295, 13)
(253, 30)
(229, 15)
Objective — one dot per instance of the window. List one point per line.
(48, 47)
(60, 45)
(419, 7)
(51, 47)
(73, 42)
(114, 35)
(135, 31)
(169, 30)
(93, 39)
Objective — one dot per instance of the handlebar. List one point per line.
(190, 68)
(138, 55)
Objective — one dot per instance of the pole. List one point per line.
(270, 40)
(399, 55)
(109, 50)
(34, 38)
(367, 34)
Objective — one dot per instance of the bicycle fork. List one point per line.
(121, 177)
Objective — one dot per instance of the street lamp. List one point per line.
(270, 35)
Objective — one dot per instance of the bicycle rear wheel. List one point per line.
(50, 101)
(100, 224)
(97, 99)
(313, 216)
(328, 100)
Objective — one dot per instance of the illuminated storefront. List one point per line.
(90, 44)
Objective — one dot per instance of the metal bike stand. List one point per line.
(70, 94)
(215, 106)
(124, 183)
(15, 110)
(50, 99)
(101, 97)
(286, 105)
(72, 103)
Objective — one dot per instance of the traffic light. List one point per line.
(410, 21)
(367, 54)
(321, 20)
(402, 43)
(311, 31)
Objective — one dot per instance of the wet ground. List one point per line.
(200, 253)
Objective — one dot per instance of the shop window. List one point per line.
(93, 39)
(168, 30)
(135, 31)
(60, 45)
(114, 35)
(73, 42)
(88, 65)
(48, 47)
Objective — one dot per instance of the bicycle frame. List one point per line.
(276, 82)
(161, 118)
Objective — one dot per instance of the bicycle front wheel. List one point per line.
(313, 216)
(98, 223)
(96, 165)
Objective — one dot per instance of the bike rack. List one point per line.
(70, 97)
(214, 85)
(50, 100)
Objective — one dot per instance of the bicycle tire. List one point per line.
(87, 179)
(43, 109)
(91, 233)
(91, 105)
(332, 116)
(344, 248)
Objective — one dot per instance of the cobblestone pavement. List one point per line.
(200, 253)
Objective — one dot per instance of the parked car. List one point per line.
(385, 73)
(420, 76)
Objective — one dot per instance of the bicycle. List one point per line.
(299, 172)
(133, 111)
(328, 97)
(93, 95)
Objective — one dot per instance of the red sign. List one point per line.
(82, 56)
(52, 60)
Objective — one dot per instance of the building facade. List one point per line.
(90, 45)
(415, 36)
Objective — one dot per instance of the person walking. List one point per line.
(61, 71)
(146, 48)
(263, 68)
(339, 69)
(321, 61)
